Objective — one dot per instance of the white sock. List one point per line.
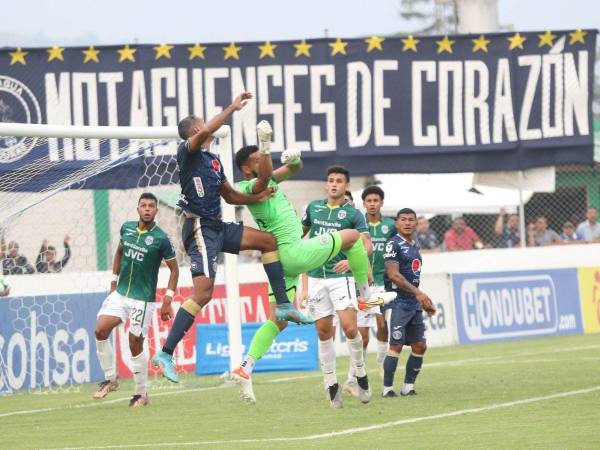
(327, 358)
(106, 357)
(139, 367)
(387, 389)
(407, 388)
(364, 290)
(382, 349)
(351, 375)
(355, 346)
(248, 365)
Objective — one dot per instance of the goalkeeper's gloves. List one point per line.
(291, 156)
(265, 132)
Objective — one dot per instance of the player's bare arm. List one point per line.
(116, 267)
(166, 310)
(235, 197)
(366, 238)
(393, 273)
(203, 133)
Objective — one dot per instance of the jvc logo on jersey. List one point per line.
(378, 246)
(505, 307)
(134, 254)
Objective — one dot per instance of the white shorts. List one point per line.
(328, 295)
(377, 289)
(366, 319)
(137, 311)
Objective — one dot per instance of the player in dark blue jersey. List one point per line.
(402, 276)
(203, 183)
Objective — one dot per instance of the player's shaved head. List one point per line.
(242, 155)
(186, 126)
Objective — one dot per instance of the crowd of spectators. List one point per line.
(15, 263)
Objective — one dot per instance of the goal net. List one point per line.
(62, 201)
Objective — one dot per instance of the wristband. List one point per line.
(115, 277)
(169, 293)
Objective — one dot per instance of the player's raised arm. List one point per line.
(392, 270)
(265, 164)
(234, 197)
(292, 164)
(204, 132)
(166, 311)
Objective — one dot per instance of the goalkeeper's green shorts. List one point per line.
(306, 255)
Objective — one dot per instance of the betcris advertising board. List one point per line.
(294, 349)
(510, 305)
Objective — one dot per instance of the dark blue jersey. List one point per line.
(201, 177)
(408, 257)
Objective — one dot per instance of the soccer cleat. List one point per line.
(351, 388)
(165, 363)
(377, 299)
(389, 394)
(286, 311)
(104, 387)
(407, 393)
(364, 394)
(137, 401)
(335, 396)
(245, 383)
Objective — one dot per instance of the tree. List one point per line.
(432, 16)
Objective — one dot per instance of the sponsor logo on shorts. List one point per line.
(397, 333)
(194, 266)
(341, 214)
(149, 240)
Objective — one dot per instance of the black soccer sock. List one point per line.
(390, 363)
(413, 367)
(184, 319)
(274, 271)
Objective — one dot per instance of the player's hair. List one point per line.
(243, 154)
(339, 169)
(349, 194)
(372, 190)
(406, 211)
(51, 248)
(148, 196)
(184, 127)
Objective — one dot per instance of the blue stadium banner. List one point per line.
(48, 341)
(509, 305)
(294, 349)
(378, 105)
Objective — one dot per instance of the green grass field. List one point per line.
(542, 393)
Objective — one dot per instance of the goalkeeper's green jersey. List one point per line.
(380, 233)
(143, 251)
(323, 218)
(276, 216)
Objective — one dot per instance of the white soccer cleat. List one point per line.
(376, 299)
(245, 383)
(291, 156)
(335, 396)
(364, 393)
(351, 388)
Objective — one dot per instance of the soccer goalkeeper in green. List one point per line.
(278, 217)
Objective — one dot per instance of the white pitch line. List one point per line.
(348, 431)
(457, 362)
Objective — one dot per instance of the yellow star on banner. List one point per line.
(445, 45)
(302, 48)
(410, 43)
(546, 39)
(267, 49)
(18, 56)
(127, 54)
(197, 51)
(577, 36)
(338, 46)
(516, 41)
(481, 43)
(163, 51)
(374, 43)
(231, 51)
(91, 54)
(55, 53)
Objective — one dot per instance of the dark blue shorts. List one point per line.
(406, 325)
(205, 238)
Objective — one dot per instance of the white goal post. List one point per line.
(223, 147)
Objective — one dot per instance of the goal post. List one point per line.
(31, 191)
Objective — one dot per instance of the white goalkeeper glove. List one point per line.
(265, 132)
(291, 156)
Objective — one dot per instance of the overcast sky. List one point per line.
(104, 22)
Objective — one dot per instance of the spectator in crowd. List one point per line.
(507, 233)
(46, 260)
(15, 264)
(461, 237)
(569, 235)
(538, 233)
(589, 230)
(427, 239)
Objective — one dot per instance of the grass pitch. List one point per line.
(542, 393)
